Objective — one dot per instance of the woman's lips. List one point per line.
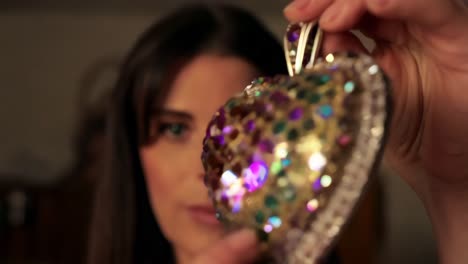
(203, 214)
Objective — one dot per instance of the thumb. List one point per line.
(238, 248)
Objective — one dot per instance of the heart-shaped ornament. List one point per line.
(290, 156)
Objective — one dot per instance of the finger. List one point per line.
(391, 31)
(342, 15)
(305, 10)
(430, 13)
(346, 41)
(237, 248)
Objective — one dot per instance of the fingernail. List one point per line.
(330, 15)
(297, 5)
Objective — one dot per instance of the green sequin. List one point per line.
(323, 79)
(313, 78)
(349, 87)
(326, 111)
(314, 98)
(293, 135)
(301, 94)
(279, 127)
(318, 79)
(262, 235)
(289, 194)
(271, 202)
(231, 104)
(275, 167)
(259, 217)
(282, 173)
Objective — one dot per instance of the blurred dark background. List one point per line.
(58, 60)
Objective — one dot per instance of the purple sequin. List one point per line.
(294, 33)
(249, 126)
(317, 186)
(220, 140)
(296, 114)
(254, 158)
(221, 119)
(227, 129)
(255, 176)
(266, 146)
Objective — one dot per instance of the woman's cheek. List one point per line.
(157, 172)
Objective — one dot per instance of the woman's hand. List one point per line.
(236, 248)
(423, 47)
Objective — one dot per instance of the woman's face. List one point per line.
(172, 164)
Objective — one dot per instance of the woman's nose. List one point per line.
(195, 155)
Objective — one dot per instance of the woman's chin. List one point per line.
(200, 239)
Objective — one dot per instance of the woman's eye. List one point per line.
(173, 130)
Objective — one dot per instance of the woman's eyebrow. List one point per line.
(166, 112)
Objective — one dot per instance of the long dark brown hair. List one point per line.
(124, 229)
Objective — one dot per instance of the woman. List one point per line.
(179, 72)
(157, 122)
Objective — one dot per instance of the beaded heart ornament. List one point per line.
(290, 156)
